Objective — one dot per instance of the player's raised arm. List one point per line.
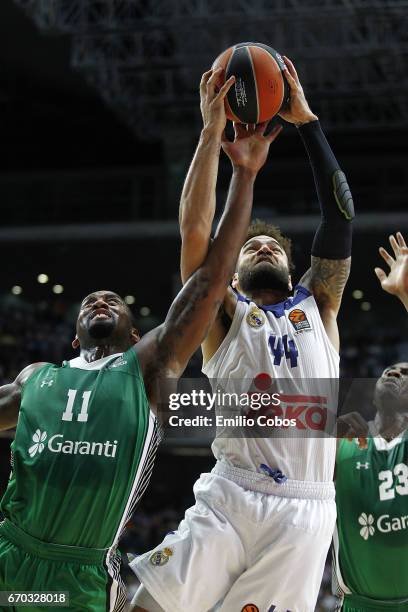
(197, 203)
(331, 251)
(166, 350)
(396, 281)
(248, 152)
(10, 397)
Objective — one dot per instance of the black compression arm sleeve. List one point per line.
(334, 234)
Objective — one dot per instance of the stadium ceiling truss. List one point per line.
(146, 56)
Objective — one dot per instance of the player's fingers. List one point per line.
(354, 432)
(351, 434)
(261, 127)
(394, 245)
(344, 429)
(291, 68)
(215, 78)
(386, 256)
(240, 130)
(274, 133)
(357, 426)
(206, 75)
(204, 78)
(401, 240)
(225, 88)
(380, 274)
(290, 79)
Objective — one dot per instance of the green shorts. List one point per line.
(27, 564)
(358, 603)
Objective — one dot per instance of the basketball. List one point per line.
(260, 89)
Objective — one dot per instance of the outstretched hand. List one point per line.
(212, 100)
(250, 146)
(299, 111)
(396, 281)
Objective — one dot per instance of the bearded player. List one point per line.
(86, 431)
(258, 536)
(371, 541)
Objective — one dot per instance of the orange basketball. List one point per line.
(260, 89)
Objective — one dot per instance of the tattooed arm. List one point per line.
(326, 278)
(165, 351)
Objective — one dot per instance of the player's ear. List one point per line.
(135, 336)
(75, 343)
(290, 283)
(235, 280)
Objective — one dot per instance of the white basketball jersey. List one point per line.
(288, 344)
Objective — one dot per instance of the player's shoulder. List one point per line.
(27, 372)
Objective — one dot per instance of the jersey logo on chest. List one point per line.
(360, 465)
(384, 524)
(299, 320)
(255, 318)
(47, 383)
(117, 363)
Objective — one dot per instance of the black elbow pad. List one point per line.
(343, 195)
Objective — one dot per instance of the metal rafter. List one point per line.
(74, 15)
(351, 54)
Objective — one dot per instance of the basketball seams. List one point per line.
(283, 84)
(279, 71)
(232, 114)
(229, 60)
(249, 50)
(242, 100)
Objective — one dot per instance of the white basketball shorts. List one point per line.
(247, 545)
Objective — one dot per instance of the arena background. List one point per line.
(98, 121)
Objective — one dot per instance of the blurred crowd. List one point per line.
(30, 333)
(44, 332)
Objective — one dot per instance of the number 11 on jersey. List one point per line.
(82, 416)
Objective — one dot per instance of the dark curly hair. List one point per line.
(262, 228)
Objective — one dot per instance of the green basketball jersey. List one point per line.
(83, 451)
(372, 524)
